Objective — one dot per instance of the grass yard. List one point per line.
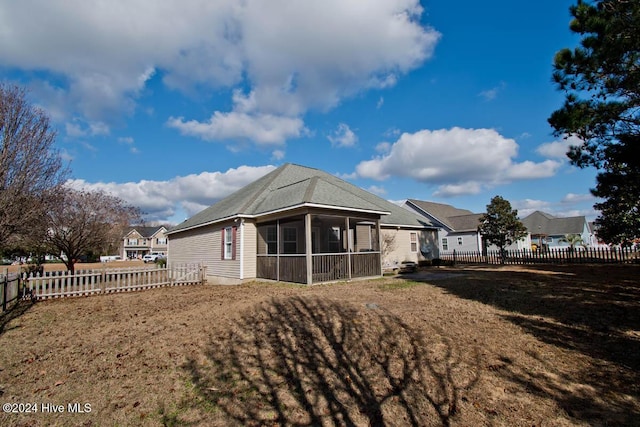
(474, 346)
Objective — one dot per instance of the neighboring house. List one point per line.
(140, 241)
(458, 228)
(548, 231)
(594, 239)
(298, 224)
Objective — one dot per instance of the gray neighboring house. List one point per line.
(303, 225)
(547, 230)
(457, 228)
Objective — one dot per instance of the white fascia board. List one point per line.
(316, 205)
(215, 221)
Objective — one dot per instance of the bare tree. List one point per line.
(31, 169)
(388, 244)
(87, 222)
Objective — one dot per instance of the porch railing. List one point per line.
(325, 267)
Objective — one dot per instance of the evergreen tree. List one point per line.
(500, 225)
(601, 81)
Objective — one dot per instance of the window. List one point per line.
(161, 241)
(289, 240)
(228, 247)
(334, 239)
(459, 241)
(272, 239)
(132, 242)
(445, 244)
(549, 239)
(414, 241)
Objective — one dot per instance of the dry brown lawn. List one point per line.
(474, 346)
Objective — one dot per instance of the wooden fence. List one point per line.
(550, 256)
(9, 289)
(56, 284)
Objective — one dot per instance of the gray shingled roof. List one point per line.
(291, 186)
(543, 223)
(444, 213)
(146, 232)
(465, 222)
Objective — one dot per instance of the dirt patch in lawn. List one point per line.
(480, 346)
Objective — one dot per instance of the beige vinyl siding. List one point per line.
(204, 245)
(250, 238)
(401, 248)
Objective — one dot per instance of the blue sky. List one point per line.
(173, 105)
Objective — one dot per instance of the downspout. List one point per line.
(241, 248)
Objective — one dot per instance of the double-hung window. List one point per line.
(272, 239)
(414, 241)
(445, 244)
(228, 244)
(290, 240)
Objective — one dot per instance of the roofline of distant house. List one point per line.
(276, 211)
(431, 215)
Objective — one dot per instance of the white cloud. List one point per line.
(160, 200)
(104, 54)
(343, 136)
(491, 94)
(375, 189)
(461, 161)
(380, 103)
(570, 205)
(278, 154)
(383, 147)
(263, 129)
(558, 149)
(578, 198)
(75, 129)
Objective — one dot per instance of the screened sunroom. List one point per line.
(318, 247)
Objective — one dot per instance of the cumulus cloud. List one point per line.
(263, 129)
(375, 189)
(569, 205)
(460, 161)
(558, 149)
(343, 136)
(282, 53)
(160, 200)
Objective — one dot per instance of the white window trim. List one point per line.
(228, 243)
(412, 242)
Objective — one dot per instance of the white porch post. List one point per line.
(308, 248)
(379, 242)
(346, 221)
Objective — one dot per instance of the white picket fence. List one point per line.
(57, 284)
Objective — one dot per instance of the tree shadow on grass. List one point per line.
(594, 310)
(16, 310)
(308, 361)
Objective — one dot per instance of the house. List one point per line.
(303, 225)
(548, 231)
(458, 228)
(140, 241)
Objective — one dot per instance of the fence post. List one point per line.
(103, 280)
(454, 257)
(4, 292)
